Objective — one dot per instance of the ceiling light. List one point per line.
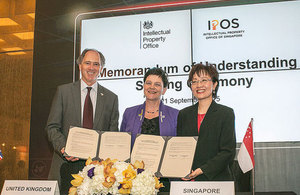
(25, 35)
(15, 53)
(7, 22)
(32, 15)
(12, 49)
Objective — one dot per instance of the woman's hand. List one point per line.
(194, 174)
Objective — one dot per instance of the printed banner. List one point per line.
(255, 49)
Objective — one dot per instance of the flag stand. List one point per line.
(246, 155)
(253, 184)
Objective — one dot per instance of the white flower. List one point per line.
(143, 183)
(120, 166)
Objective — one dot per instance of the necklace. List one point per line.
(151, 112)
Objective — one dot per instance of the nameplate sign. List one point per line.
(203, 188)
(30, 187)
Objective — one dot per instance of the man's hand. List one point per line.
(69, 158)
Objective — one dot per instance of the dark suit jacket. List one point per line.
(216, 140)
(66, 111)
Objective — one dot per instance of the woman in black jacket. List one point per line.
(213, 124)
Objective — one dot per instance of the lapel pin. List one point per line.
(162, 116)
(141, 115)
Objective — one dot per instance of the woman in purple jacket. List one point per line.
(151, 117)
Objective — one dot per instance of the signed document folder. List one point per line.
(166, 156)
(84, 143)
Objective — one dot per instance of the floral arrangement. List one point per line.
(114, 177)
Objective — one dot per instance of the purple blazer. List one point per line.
(133, 118)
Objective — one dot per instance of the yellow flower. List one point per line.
(126, 186)
(73, 191)
(139, 164)
(77, 180)
(129, 173)
(108, 170)
(124, 191)
(88, 161)
(108, 161)
(109, 181)
(108, 173)
(157, 184)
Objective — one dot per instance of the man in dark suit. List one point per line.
(68, 110)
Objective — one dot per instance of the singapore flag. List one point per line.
(246, 154)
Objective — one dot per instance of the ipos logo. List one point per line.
(224, 24)
(147, 24)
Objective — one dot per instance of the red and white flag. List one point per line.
(246, 154)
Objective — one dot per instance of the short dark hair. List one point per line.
(205, 69)
(80, 58)
(159, 72)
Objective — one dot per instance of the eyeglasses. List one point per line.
(204, 81)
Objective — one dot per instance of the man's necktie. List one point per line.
(88, 111)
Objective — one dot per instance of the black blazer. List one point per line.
(216, 140)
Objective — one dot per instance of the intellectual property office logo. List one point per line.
(147, 24)
(223, 24)
(152, 37)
